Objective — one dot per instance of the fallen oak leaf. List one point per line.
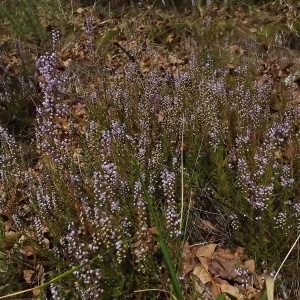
(248, 265)
(224, 255)
(7, 225)
(251, 293)
(170, 38)
(202, 274)
(27, 250)
(79, 10)
(27, 274)
(229, 289)
(227, 265)
(215, 286)
(188, 262)
(36, 292)
(225, 270)
(206, 251)
(231, 269)
(203, 291)
(153, 230)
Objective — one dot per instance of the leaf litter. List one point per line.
(220, 270)
(216, 269)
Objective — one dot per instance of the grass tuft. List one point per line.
(122, 138)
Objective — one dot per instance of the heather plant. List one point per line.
(110, 186)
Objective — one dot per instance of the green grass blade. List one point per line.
(159, 237)
(223, 295)
(264, 295)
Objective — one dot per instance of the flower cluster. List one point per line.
(51, 137)
(168, 180)
(54, 292)
(55, 34)
(141, 247)
(286, 178)
(79, 253)
(111, 227)
(89, 34)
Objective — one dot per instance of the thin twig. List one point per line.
(131, 58)
(286, 257)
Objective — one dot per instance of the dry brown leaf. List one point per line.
(225, 270)
(41, 79)
(259, 281)
(153, 230)
(252, 293)
(200, 289)
(79, 10)
(67, 62)
(80, 110)
(160, 117)
(278, 154)
(230, 66)
(240, 252)
(173, 60)
(248, 265)
(27, 274)
(170, 38)
(206, 251)
(36, 292)
(224, 255)
(224, 264)
(27, 250)
(46, 243)
(202, 274)
(46, 229)
(41, 272)
(194, 249)
(7, 225)
(236, 49)
(188, 262)
(204, 262)
(228, 288)
(215, 287)
(77, 155)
